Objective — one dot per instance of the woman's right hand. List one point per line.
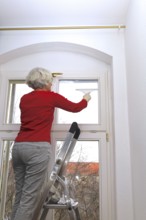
(87, 97)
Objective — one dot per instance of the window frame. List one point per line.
(101, 79)
(9, 132)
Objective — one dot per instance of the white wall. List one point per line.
(112, 43)
(136, 84)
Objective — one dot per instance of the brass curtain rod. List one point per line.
(29, 28)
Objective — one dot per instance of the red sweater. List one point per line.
(37, 113)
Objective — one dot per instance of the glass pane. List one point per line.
(7, 186)
(71, 89)
(82, 172)
(16, 90)
(74, 91)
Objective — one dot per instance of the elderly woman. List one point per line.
(32, 148)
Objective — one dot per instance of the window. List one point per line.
(74, 90)
(93, 124)
(82, 173)
(17, 88)
(7, 179)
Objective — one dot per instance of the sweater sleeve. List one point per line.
(65, 104)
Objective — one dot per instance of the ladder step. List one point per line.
(56, 206)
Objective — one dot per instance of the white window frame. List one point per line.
(96, 132)
(101, 78)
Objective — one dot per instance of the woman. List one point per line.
(32, 148)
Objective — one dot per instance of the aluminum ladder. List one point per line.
(57, 178)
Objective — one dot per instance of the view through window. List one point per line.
(82, 172)
(74, 91)
(71, 89)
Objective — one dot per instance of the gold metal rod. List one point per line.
(41, 28)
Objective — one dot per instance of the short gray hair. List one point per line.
(39, 78)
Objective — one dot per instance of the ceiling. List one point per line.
(62, 12)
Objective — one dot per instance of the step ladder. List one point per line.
(57, 179)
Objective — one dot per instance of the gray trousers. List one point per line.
(30, 164)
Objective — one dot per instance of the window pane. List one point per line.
(74, 91)
(7, 187)
(16, 90)
(71, 89)
(82, 172)
(84, 151)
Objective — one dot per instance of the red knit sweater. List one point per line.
(37, 113)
